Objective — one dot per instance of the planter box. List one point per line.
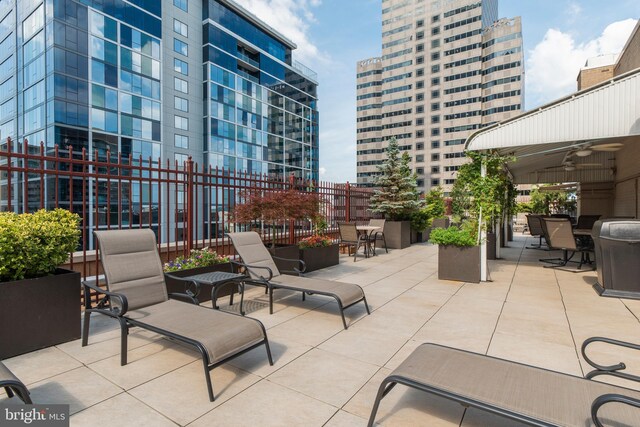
(176, 286)
(398, 234)
(40, 312)
(491, 246)
(320, 257)
(460, 263)
(286, 251)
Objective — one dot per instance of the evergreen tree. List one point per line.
(397, 197)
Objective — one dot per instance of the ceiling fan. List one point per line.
(587, 149)
(570, 166)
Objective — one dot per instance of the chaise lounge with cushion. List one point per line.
(520, 392)
(263, 271)
(12, 385)
(136, 295)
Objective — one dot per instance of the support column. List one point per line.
(482, 235)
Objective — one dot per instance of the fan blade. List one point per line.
(613, 146)
(588, 165)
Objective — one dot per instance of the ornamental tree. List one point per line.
(397, 197)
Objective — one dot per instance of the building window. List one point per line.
(435, 94)
(181, 104)
(435, 56)
(435, 120)
(435, 157)
(180, 28)
(435, 132)
(435, 68)
(420, 122)
(435, 18)
(435, 144)
(420, 23)
(435, 182)
(180, 47)
(420, 171)
(420, 109)
(420, 60)
(419, 96)
(420, 72)
(180, 66)
(435, 44)
(180, 85)
(419, 134)
(420, 47)
(420, 84)
(181, 141)
(420, 183)
(435, 106)
(435, 169)
(181, 122)
(435, 81)
(419, 35)
(419, 146)
(181, 4)
(435, 31)
(420, 158)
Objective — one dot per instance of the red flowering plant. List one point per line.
(198, 258)
(315, 241)
(276, 207)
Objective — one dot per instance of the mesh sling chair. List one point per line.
(378, 235)
(136, 295)
(520, 392)
(349, 236)
(535, 229)
(559, 233)
(263, 271)
(12, 385)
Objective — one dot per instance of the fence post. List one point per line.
(9, 173)
(190, 186)
(292, 224)
(347, 201)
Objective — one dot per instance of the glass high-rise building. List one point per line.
(157, 78)
(448, 68)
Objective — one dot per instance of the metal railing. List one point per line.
(187, 206)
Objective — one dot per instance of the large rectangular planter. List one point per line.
(460, 263)
(320, 257)
(176, 286)
(398, 234)
(39, 313)
(288, 252)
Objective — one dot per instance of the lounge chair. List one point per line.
(136, 295)
(534, 222)
(349, 236)
(378, 235)
(12, 385)
(559, 235)
(520, 392)
(262, 270)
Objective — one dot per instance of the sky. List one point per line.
(333, 35)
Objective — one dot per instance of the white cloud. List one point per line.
(554, 63)
(292, 18)
(323, 171)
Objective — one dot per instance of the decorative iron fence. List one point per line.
(186, 206)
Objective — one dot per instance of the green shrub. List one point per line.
(33, 245)
(455, 236)
(420, 220)
(199, 258)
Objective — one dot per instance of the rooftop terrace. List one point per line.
(327, 376)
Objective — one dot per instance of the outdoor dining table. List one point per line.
(217, 279)
(367, 230)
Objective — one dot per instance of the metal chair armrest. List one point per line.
(303, 266)
(187, 286)
(611, 369)
(251, 267)
(608, 398)
(119, 311)
(186, 297)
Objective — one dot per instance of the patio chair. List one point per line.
(559, 233)
(520, 392)
(350, 237)
(12, 385)
(136, 295)
(262, 270)
(535, 229)
(378, 235)
(585, 222)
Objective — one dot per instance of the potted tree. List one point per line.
(458, 252)
(433, 210)
(198, 262)
(39, 302)
(397, 196)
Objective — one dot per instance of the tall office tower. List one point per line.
(448, 68)
(156, 78)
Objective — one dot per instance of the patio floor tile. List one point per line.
(116, 409)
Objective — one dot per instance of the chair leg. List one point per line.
(355, 252)
(384, 239)
(266, 344)
(9, 392)
(85, 328)
(270, 300)
(207, 376)
(124, 333)
(383, 390)
(366, 305)
(304, 298)
(344, 321)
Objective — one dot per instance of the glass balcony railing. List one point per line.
(306, 71)
(248, 60)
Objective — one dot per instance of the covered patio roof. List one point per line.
(603, 119)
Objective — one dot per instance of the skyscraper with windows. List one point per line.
(158, 79)
(448, 67)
